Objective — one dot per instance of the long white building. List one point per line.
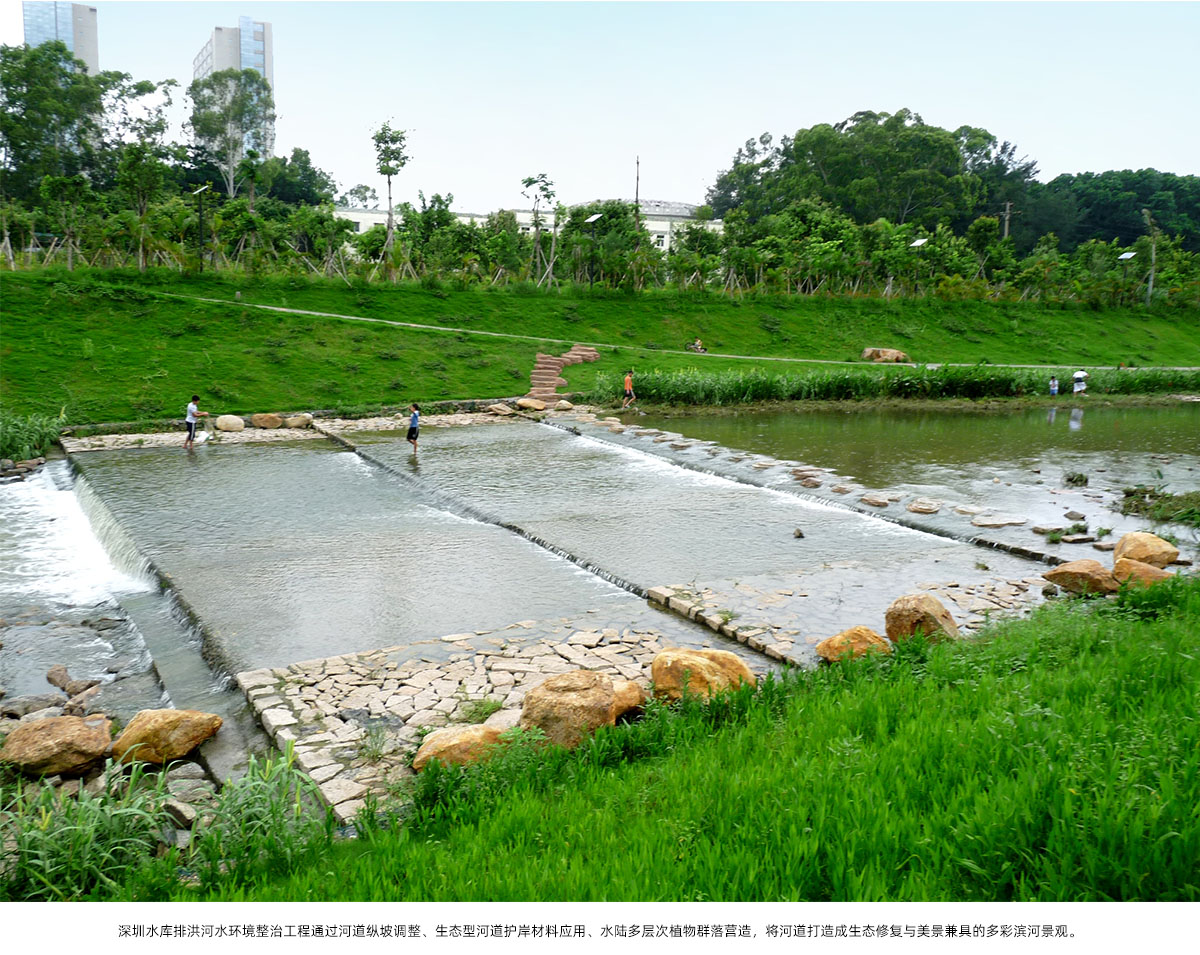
(661, 219)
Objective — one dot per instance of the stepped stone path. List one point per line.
(545, 380)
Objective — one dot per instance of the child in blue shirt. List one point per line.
(414, 425)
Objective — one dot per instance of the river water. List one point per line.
(293, 551)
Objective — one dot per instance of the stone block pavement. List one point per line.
(356, 720)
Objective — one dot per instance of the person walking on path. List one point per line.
(1080, 378)
(193, 413)
(1053, 385)
(414, 425)
(630, 397)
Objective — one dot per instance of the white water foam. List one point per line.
(48, 549)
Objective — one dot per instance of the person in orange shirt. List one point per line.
(630, 397)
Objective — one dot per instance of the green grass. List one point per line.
(1059, 759)
(115, 346)
(1161, 505)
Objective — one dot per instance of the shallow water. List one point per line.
(651, 522)
(1116, 447)
(291, 552)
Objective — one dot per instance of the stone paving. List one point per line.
(776, 621)
(356, 720)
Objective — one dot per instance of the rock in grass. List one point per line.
(1137, 573)
(457, 745)
(1146, 548)
(68, 745)
(923, 612)
(1083, 577)
(702, 672)
(158, 736)
(628, 698)
(569, 706)
(855, 642)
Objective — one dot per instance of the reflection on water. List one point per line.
(881, 448)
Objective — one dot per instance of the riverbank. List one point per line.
(105, 346)
(925, 775)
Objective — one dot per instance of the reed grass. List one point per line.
(27, 436)
(1058, 759)
(59, 848)
(694, 386)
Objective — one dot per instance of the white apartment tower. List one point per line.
(247, 46)
(73, 24)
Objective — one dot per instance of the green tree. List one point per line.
(50, 117)
(296, 180)
(232, 112)
(65, 200)
(390, 158)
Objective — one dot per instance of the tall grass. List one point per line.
(57, 848)
(696, 387)
(1057, 760)
(27, 436)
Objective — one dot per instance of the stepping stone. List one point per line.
(924, 505)
(1078, 539)
(998, 520)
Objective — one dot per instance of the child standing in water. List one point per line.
(193, 414)
(414, 425)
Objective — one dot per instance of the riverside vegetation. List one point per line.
(116, 345)
(1054, 758)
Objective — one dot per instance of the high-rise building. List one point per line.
(73, 24)
(247, 46)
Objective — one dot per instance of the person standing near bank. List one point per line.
(1053, 385)
(193, 414)
(630, 397)
(1080, 378)
(414, 425)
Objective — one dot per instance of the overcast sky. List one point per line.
(495, 92)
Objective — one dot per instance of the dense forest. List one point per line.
(879, 204)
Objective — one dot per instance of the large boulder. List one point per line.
(1138, 574)
(531, 404)
(923, 612)
(884, 354)
(569, 706)
(1147, 548)
(457, 745)
(304, 420)
(855, 642)
(702, 672)
(230, 422)
(60, 745)
(500, 409)
(267, 420)
(158, 736)
(1083, 577)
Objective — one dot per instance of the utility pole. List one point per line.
(637, 205)
(1007, 216)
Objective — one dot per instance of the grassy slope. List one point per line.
(1057, 760)
(110, 353)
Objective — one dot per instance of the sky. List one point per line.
(495, 92)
